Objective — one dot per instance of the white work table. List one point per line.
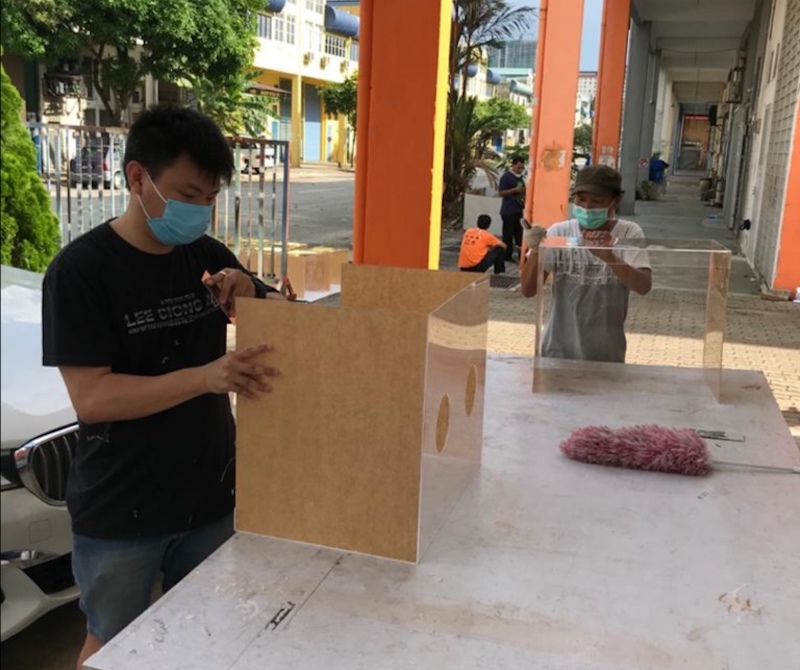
(544, 563)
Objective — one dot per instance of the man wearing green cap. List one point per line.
(590, 286)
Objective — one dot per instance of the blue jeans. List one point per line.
(116, 577)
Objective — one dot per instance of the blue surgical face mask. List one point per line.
(181, 223)
(591, 219)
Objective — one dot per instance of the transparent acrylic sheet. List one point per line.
(680, 322)
(333, 456)
(455, 381)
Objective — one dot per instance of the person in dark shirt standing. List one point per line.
(512, 189)
(140, 340)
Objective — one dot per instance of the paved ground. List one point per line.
(663, 329)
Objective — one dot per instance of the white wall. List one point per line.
(666, 109)
(762, 124)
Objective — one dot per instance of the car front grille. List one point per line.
(44, 464)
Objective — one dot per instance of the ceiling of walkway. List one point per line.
(698, 41)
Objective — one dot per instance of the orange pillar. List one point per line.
(787, 271)
(402, 112)
(610, 82)
(553, 124)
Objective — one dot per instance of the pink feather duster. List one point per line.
(677, 450)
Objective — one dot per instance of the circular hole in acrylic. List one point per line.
(472, 388)
(442, 423)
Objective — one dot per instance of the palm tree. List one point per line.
(464, 157)
(477, 25)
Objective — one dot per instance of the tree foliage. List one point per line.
(499, 115)
(233, 103)
(465, 155)
(582, 139)
(342, 98)
(209, 41)
(480, 24)
(477, 25)
(29, 236)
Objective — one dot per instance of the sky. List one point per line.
(590, 45)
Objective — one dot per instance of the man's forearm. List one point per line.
(637, 280)
(119, 397)
(529, 276)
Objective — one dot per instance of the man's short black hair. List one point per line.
(165, 132)
(517, 159)
(484, 221)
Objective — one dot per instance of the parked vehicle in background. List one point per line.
(252, 162)
(98, 160)
(39, 435)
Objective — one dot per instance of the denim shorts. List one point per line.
(116, 577)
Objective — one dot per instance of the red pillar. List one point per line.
(787, 271)
(402, 113)
(611, 82)
(553, 123)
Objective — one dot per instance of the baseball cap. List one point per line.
(598, 179)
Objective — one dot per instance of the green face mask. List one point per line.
(591, 219)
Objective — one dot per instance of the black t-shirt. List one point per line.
(512, 204)
(107, 304)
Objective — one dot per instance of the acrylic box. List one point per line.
(680, 322)
(374, 427)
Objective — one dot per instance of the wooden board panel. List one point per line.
(332, 456)
(408, 290)
(335, 258)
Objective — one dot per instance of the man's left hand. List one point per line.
(601, 243)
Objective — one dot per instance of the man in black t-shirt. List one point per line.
(141, 344)
(512, 189)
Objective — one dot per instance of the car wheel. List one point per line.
(117, 180)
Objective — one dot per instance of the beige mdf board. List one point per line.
(335, 258)
(315, 268)
(356, 447)
(248, 256)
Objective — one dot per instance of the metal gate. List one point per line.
(82, 170)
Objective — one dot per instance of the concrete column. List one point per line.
(635, 96)
(401, 132)
(553, 127)
(296, 149)
(610, 82)
(649, 114)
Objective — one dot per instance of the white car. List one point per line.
(39, 434)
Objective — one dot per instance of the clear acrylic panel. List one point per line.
(598, 307)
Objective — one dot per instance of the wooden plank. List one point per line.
(332, 456)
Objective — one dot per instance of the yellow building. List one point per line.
(304, 45)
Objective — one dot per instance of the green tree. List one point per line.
(29, 236)
(342, 99)
(582, 139)
(200, 42)
(233, 103)
(498, 115)
(477, 25)
(465, 155)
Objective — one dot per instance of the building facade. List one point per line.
(305, 45)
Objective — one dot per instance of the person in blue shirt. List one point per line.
(658, 168)
(512, 189)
